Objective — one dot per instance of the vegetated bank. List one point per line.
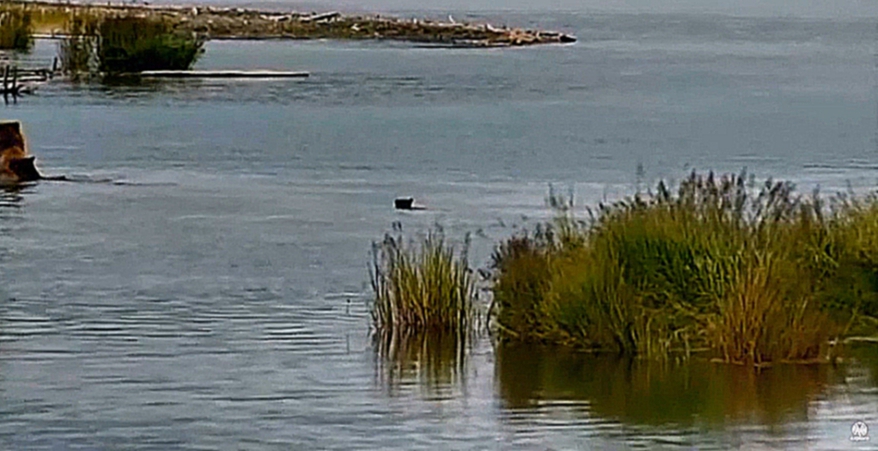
(101, 40)
(722, 267)
(749, 275)
(239, 23)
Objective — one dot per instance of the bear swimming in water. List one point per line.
(16, 164)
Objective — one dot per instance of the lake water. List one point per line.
(205, 284)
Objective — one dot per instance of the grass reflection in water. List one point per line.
(434, 362)
(659, 393)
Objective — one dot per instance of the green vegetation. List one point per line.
(751, 275)
(16, 28)
(131, 44)
(422, 289)
(78, 51)
(125, 44)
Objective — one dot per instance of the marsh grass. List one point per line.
(125, 44)
(422, 287)
(77, 52)
(130, 44)
(752, 274)
(16, 27)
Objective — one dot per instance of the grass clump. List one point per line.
(422, 288)
(16, 28)
(130, 44)
(125, 44)
(750, 274)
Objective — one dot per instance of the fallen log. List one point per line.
(221, 74)
(320, 17)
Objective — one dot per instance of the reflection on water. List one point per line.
(655, 393)
(434, 362)
(11, 195)
(866, 354)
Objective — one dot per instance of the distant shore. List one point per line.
(214, 22)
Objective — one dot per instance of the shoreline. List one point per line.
(227, 23)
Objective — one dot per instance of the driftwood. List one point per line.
(221, 74)
(10, 80)
(17, 81)
(321, 17)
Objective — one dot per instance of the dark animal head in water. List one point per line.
(404, 203)
(25, 169)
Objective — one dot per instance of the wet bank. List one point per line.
(244, 23)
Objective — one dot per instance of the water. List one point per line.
(206, 287)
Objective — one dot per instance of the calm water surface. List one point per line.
(205, 285)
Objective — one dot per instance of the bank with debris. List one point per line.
(240, 23)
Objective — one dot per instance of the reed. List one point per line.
(422, 288)
(16, 28)
(752, 274)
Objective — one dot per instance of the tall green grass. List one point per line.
(422, 287)
(125, 44)
(752, 274)
(16, 28)
(131, 44)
